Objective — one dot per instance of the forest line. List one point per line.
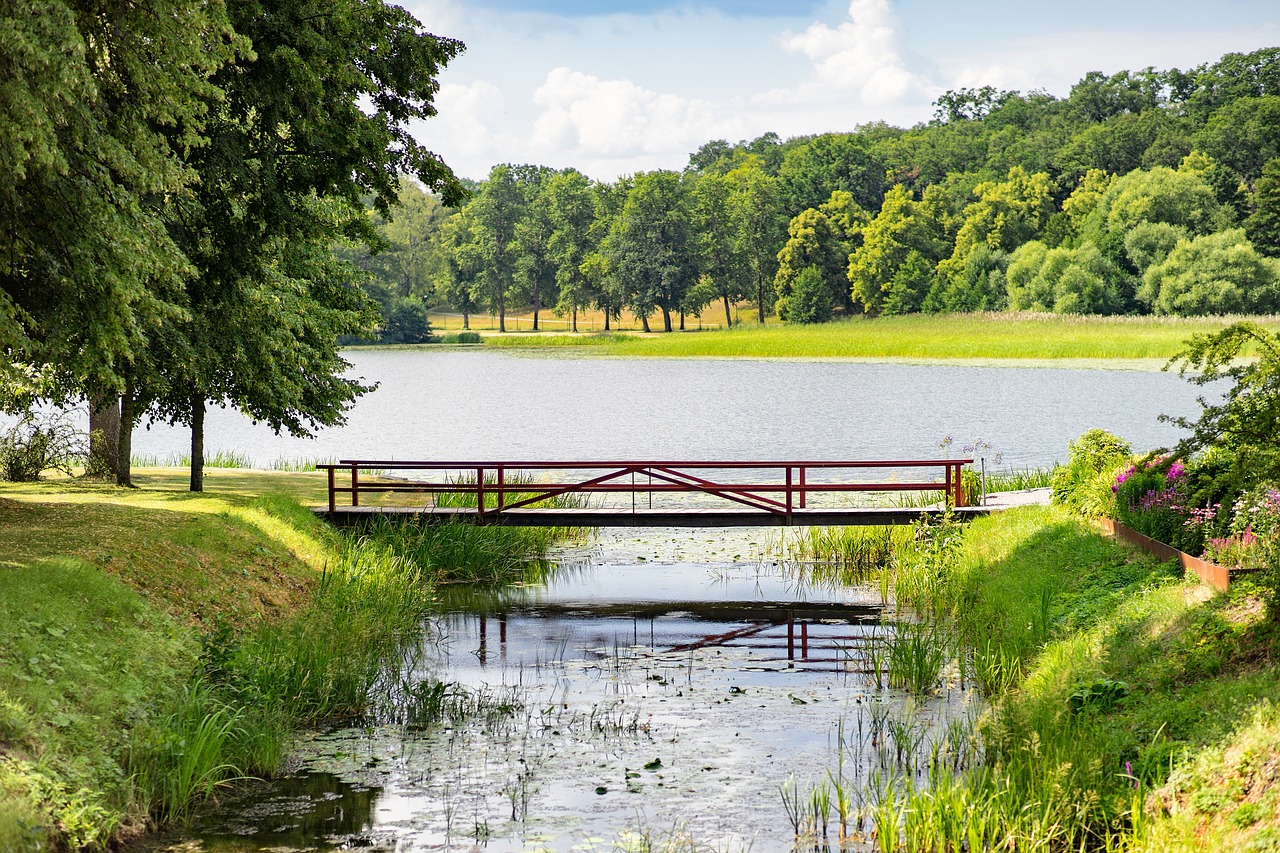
(1149, 192)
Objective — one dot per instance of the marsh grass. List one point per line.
(460, 552)
(230, 459)
(184, 756)
(952, 336)
(845, 555)
(1101, 670)
(917, 653)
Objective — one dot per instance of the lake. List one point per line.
(437, 404)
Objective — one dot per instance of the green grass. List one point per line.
(228, 459)
(82, 657)
(155, 644)
(962, 336)
(1111, 680)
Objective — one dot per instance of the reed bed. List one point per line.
(952, 336)
(230, 459)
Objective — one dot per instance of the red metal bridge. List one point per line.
(644, 493)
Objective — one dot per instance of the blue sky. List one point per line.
(615, 88)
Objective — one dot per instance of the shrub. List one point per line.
(810, 300)
(461, 338)
(1255, 524)
(37, 444)
(1084, 484)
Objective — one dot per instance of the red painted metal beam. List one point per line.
(671, 478)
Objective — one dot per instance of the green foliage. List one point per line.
(1149, 243)
(816, 243)
(1244, 135)
(1064, 281)
(36, 444)
(1180, 197)
(650, 246)
(1006, 215)
(1214, 274)
(1263, 225)
(406, 322)
(1084, 484)
(1247, 421)
(809, 300)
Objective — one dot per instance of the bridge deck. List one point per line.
(348, 516)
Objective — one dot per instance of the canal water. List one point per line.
(637, 697)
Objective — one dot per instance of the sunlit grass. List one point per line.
(957, 336)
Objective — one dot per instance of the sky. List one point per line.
(614, 88)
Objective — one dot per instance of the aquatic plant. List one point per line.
(917, 653)
(181, 758)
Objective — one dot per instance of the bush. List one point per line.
(810, 300)
(405, 321)
(461, 338)
(1084, 484)
(37, 444)
(1255, 525)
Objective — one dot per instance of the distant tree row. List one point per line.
(1140, 192)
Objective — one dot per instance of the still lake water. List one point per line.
(439, 404)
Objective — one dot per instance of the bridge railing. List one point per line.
(773, 487)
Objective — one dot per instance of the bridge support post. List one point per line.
(480, 492)
(355, 484)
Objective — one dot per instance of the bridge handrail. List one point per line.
(672, 477)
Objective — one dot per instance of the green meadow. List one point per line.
(950, 336)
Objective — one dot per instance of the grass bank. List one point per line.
(1131, 709)
(956, 336)
(155, 644)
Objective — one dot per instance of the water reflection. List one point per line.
(614, 698)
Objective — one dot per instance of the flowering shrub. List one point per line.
(1152, 498)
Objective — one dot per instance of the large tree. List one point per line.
(650, 248)
(97, 110)
(315, 116)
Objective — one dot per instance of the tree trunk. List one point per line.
(644, 322)
(606, 319)
(760, 297)
(682, 319)
(466, 320)
(104, 436)
(502, 312)
(197, 442)
(666, 319)
(537, 306)
(728, 318)
(575, 318)
(124, 447)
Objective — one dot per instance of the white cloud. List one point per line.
(862, 56)
(585, 115)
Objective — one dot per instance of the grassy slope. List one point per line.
(104, 593)
(1196, 725)
(967, 336)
